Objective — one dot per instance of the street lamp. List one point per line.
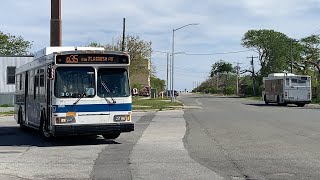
(173, 30)
(168, 69)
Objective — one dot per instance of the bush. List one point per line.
(230, 90)
(5, 105)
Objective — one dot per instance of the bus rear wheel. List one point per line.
(20, 121)
(111, 135)
(301, 104)
(265, 100)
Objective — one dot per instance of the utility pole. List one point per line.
(238, 70)
(291, 56)
(170, 74)
(253, 76)
(217, 76)
(167, 74)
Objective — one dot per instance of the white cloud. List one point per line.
(278, 8)
(222, 25)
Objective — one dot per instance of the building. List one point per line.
(8, 65)
(141, 76)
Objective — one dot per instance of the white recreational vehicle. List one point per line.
(285, 88)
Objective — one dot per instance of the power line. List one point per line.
(207, 54)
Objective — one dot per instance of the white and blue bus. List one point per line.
(75, 91)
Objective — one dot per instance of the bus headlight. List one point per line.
(64, 120)
(118, 118)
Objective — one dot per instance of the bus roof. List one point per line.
(46, 55)
(280, 74)
(49, 50)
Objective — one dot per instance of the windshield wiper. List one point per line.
(107, 89)
(82, 95)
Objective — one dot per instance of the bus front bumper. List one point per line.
(92, 129)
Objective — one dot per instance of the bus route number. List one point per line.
(72, 59)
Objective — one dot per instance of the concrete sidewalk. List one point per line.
(160, 153)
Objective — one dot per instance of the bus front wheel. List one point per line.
(43, 130)
(111, 136)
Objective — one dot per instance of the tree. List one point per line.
(12, 45)
(222, 68)
(310, 56)
(273, 48)
(138, 49)
(157, 83)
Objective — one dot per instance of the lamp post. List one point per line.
(172, 66)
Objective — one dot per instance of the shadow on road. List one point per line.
(208, 96)
(283, 106)
(13, 136)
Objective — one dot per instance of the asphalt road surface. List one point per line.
(155, 150)
(239, 138)
(24, 155)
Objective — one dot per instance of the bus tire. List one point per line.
(301, 104)
(278, 101)
(111, 135)
(265, 100)
(43, 132)
(20, 121)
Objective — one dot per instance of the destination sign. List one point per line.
(92, 59)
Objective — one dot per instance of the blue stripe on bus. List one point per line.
(93, 108)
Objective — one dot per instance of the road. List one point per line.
(247, 139)
(24, 155)
(215, 138)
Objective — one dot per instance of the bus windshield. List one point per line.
(74, 82)
(116, 80)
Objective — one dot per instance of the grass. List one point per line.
(154, 104)
(7, 113)
(258, 98)
(5, 105)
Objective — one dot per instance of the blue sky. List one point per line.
(222, 24)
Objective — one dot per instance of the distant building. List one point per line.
(141, 76)
(8, 65)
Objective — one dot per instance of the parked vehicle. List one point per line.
(145, 91)
(176, 93)
(285, 88)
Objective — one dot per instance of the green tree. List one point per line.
(138, 49)
(158, 84)
(273, 48)
(222, 68)
(13, 45)
(310, 58)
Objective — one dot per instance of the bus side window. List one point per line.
(294, 80)
(35, 87)
(287, 81)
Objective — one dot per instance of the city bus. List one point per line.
(75, 91)
(287, 88)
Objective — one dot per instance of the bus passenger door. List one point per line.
(26, 89)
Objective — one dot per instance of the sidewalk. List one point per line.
(160, 153)
(6, 109)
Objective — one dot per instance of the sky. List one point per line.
(221, 26)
